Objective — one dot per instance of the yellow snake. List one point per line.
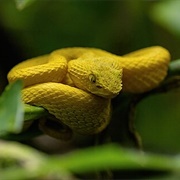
(77, 84)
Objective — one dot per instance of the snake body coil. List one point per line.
(77, 84)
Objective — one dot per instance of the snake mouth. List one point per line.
(107, 95)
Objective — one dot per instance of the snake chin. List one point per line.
(104, 92)
(106, 95)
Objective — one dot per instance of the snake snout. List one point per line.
(109, 90)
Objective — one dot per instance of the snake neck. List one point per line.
(68, 81)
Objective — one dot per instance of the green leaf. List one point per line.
(21, 4)
(11, 109)
(157, 121)
(25, 162)
(113, 157)
(17, 160)
(20, 162)
(33, 112)
(174, 68)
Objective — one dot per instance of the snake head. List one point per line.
(101, 76)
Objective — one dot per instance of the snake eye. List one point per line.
(92, 78)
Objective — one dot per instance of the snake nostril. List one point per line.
(99, 87)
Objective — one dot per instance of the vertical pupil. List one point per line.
(93, 78)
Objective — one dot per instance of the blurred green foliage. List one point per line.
(117, 26)
(157, 120)
(26, 163)
(21, 4)
(167, 15)
(11, 109)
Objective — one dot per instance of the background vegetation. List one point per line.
(30, 28)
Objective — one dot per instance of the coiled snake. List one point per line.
(76, 84)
